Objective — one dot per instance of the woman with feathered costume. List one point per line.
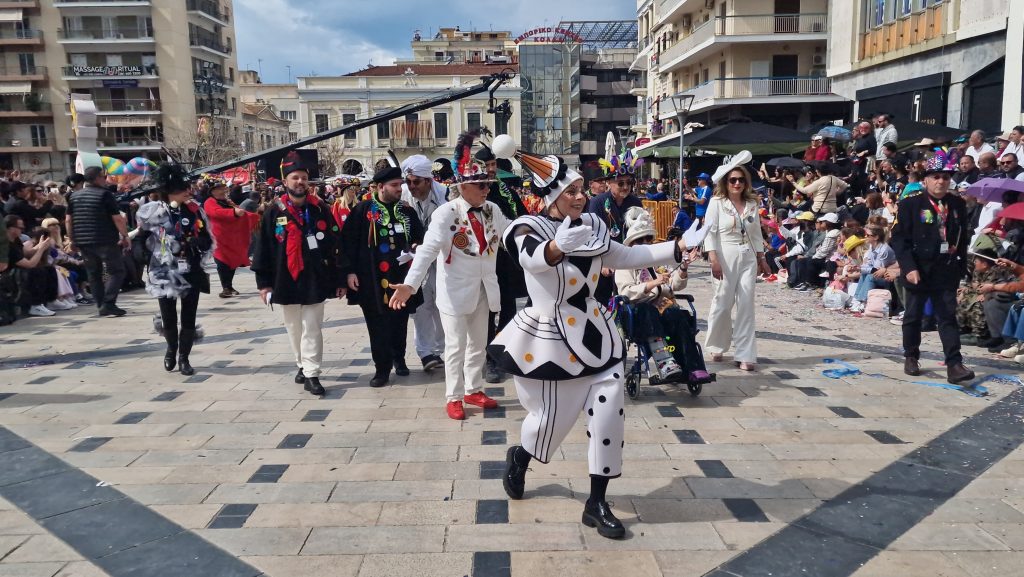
(179, 241)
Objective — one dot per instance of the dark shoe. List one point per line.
(994, 345)
(401, 369)
(111, 310)
(379, 379)
(431, 362)
(911, 366)
(514, 479)
(599, 514)
(492, 374)
(235, 293)
(185, 338)
(226, 293)
(300, 377)
(313, 385)
(170, 359)
(958, 373)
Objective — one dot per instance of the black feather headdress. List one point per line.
(172, 177)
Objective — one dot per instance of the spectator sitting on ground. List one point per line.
(877, 258)
(26, 205)
(31, 279)
(984, 303)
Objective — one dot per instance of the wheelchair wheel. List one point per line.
(695, 389)
(633, 385)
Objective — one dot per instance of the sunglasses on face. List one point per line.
(1006, 163)
(737, 180)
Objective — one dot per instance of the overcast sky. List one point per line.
(332, 37)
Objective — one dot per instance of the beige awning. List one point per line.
(126, 122)
(15, 87)
(10, 15)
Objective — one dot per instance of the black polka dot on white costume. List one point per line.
(601, 399)
(607, 442)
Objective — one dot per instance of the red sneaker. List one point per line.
(481, 400)
(455, 411)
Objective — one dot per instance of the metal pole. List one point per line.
(681, 135)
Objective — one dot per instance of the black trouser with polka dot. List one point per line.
(554, 406)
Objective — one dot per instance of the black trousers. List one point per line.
(169, 312)
(498, 320)
(100, 256)
(944, 307)
(388, 334)
(226, 275)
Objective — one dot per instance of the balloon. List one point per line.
(503, 146)
(112, 165)
(139, 165)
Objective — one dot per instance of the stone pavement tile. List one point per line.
(561, 510)
(43, 548)
(779, 470)
(271, 493)
(197, 457)
(225, 429)
(348, 472)
(184, 417)
(129, 475)
(305, 456)
(863, 467)
(11, 569)
(9, 543)
(658, 537)
(405, 454)
(1013, 469)
(787, 510)
(690, 563)
(360, 404)
(637, 452)
(428, 513)
(829, 488)
(492, 489)
(321, 427)
(437, 425)
(959, 510)
(315, 515)
(1011, 534)
(177, 494)
(101, 458)
(779, 424)
(742, 536)
(346, 413)
(81, 569)
(821, 451)
(226, 395)
(210, 474)
(438, 470)
(681, 510)
(362, 540)
(911, 564)
(319, 566)
(720, 452)
(585, 564)
(139, 430)
(157, 406)
(534, 537)
(270, 441)
(275, 405)
(14, 522)
(433, 438)
(742, 488)
(988, 563)
(994, 488)
(268, 416)
(360, 440)
(359, 492)
(417, 565)
(666, 488)
(947, 537)
(258, 541)
(480, 452)
(155, 443)
(188, 516)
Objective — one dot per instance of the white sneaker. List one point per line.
(40, 311)
(1011, 352)
(70, 301)
(897, 320)
(58, 305)
(1019, 359)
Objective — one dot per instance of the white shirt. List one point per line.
(883, 135)
(976, 153)
(1013, 148)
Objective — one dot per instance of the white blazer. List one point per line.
(463, 266)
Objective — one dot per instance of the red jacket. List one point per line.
(231, 232)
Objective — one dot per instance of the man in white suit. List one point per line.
(464, 238)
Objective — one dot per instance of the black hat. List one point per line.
(484, 154)
(291, 163)
(387, 173)
(171, 177)
(74, 179)
(594, 172)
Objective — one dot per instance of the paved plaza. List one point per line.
(111, 466)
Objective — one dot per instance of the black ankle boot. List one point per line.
(185, 347)
(517, 460)
(599, 514)
(401, 369)
(170, 357)
(300, 377)
(313, 385)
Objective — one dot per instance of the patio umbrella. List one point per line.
(1013, 212)
(609, 146)
(836, 133)
(785, 162)
(758, 138)
(992, 189)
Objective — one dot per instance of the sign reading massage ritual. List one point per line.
(130, 70)
(551, 36)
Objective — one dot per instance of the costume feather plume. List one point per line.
(463, 150)
(606, 166)
(171, 176)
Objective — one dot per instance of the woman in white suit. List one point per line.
(735, 247)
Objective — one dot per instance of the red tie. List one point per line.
(478, 230)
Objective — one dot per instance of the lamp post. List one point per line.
(682, 103)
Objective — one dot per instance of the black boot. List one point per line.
(517, 460)
(170, 357)
(380, 377)
(300, 377)
(597, 512)
(185, 343)
(401, 369)
(313, 385)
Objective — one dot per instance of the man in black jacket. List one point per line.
(297, 262)
(931, 240)
(97, 228)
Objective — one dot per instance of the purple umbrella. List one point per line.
(992, 189)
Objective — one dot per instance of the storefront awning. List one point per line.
(126, 122)
(10, 15)
(15, 87)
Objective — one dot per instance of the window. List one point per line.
(383, 131)
(322, 124)
(293, 136)
(473, 121)
(287, 115)
(347, 119)
(906, 6)
(27, 63)
(501, 124)
(38, 132)
(440, 125)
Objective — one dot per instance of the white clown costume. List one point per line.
(564, 350)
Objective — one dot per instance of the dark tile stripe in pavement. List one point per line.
(492, 469)
(132, 418)
(846, 412)
(89, 445)
(493, 438)
(491, 512)
(715, 470)
(745, 510)
(295, 441)
(845, 532)
(231, 516)
(492, 564)
(494, 391)
(812, 391)
(316, 415)
(268, 474)
(496, 413)
(885, 437)
(109, 529)
(669, 411)
(168, 396)
(5, 396)
(785, 375)
(41, 380)
(689, 437)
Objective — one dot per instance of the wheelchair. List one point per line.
(643, 363)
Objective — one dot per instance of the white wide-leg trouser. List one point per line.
(465, 339)
(305, 333)
(735, 292)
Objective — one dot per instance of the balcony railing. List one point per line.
(210, 43)
(104, 34)
(126, 105)
(749, 25)
(126, 70)
(22, 71)
(23, 142)
(211, 8)
(22, 105)
(120, 142)
(761, 87)
(20, 34)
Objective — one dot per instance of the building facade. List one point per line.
(283, 99)
(949, 62)
(453, 46)
(763, 60)
(263, 127)
(152, 67)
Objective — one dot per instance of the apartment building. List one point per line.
(763, 60)
(454, 46)
(283, 100)
(153, 67)
(949, 62)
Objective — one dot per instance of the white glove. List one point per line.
(569, 239)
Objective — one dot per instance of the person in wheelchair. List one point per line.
(667, 330)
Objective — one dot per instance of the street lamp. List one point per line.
(682, 103)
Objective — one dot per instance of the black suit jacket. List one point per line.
(917, 239)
